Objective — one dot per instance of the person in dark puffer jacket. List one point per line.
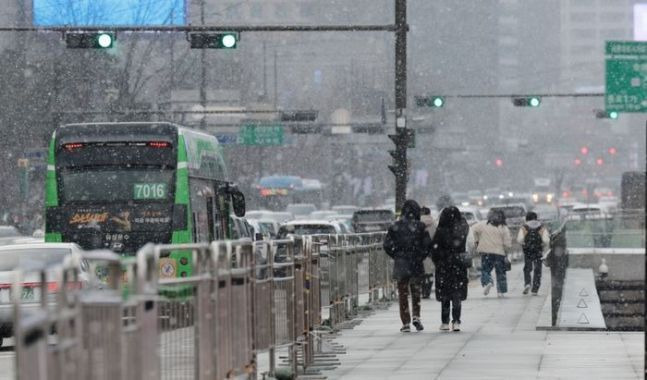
(407, 242)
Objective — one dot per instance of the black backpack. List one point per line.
(533, 243)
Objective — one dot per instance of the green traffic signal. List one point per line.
(530, 101)
(206, 40)
(430, 101)
(90, 40)
(613, 115)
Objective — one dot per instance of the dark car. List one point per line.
(372, 220)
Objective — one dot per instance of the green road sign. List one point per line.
(261, 134)
(626, 76)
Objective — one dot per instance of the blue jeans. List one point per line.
(489, 261)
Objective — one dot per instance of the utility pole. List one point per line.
(402, 136)
(203, 74)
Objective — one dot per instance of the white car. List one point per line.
(471, 214)
(267, 227)
(327, 215)
(47, 255)
(309, 227)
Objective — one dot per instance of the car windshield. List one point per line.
(116, 185)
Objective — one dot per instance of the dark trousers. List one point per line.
(532, 263)
(455, 303)
(489, 261)
(403, 295)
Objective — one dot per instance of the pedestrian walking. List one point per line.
(534, 239)
(427, 277)
(447, 249)
(493, 241)
(407, 242)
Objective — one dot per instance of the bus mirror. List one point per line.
(179, 217)
(238, 199)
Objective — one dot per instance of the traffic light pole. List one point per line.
(400, 155)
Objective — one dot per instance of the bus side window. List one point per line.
(210, 216)
(199, 196)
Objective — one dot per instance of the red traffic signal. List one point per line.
(613, 151)
(599, 162)
(498, 162)
(577, 162)
(584, 150)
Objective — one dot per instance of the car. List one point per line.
(241, 228)
(301, 210)
(515, 213)
(268, 228)
(372, 220)
(471, 214)
(48, 255)
(309, 227)
(475, 197)
(546, 212)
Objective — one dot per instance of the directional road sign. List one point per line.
(261, 134)
(626, 76)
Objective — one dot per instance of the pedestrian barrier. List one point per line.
(116, 318)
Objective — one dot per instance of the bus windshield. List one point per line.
(113, 185)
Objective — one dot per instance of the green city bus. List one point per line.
(119, 186)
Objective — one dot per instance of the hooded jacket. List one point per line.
(407, 242)
(448, 243)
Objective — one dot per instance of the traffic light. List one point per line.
(613, 150)
(90, 40)
(577, 162)
(599, 162)
(205, 40)
(528, 101)
(498, 162)
(402, 138)
(602, 114)
(430, 101)
(584, 150)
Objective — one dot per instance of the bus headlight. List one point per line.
(535, 197)
(549, 198)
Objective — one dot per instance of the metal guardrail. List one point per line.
(119, 320)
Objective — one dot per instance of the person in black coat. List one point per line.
(407, 242)
(451, 274)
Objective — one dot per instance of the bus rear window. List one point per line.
(139, 185)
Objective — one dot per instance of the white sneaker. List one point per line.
(500, 295)
(487, 288)
(456, 326)
(444, 327)
(526, 289)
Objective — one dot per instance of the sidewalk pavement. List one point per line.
(498, 341)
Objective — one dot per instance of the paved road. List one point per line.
(498, 341)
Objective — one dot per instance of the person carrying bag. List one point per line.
(493, 241)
